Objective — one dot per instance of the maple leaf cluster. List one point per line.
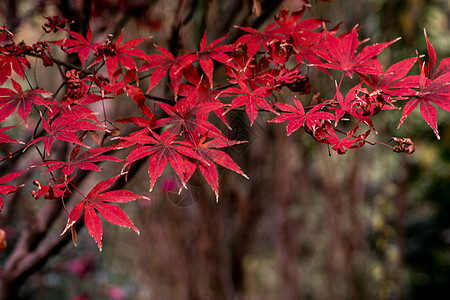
(259, 66)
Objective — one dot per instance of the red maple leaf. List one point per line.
(189, 115)
(5, 35)
(10, 62)
(210, 157)
(340, 53)
(68, 111)
(297, 117)
(205, 93)
(304, 43)
(350, 105)
(6, 189)
(291, 25)
(64, 129)
(5, 138)
(212, 52)
(329, 136)
(435, 91)
(119, 82)
(9, 100)
(113, 53)
(393, 82)
(254, 38)
(79, 44)
(434, 87)
(161, 149)
(95, 202)
(146, 122)
(167, 62)
(250, 99)
(83, 161)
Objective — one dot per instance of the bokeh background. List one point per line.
(371, 224)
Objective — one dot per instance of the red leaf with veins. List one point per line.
(79, 44)
(251, 100)
(204, 92)
(10, 62)
(119, 82)
(304, 43)
(120, 53)
(429, 71)
(9, 100)
(212, 52)
(64, 129)
(160, 149)
(433, 88)
(291, 25)
(210, 156)
(348, 142)
(83, 161)
(253, 38)
(6, 189)
(296, 116)
(95, 202)
(76, 112)
(350, 105)
(340, 54)
(166, 62)
(435, 91)
(190, 115)
(393, 82)
(5, 138)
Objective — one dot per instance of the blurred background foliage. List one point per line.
(371, 224)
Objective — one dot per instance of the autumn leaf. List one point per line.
(166, 62)
(188, 114)
(5, 138)
(393, 82)
(340, 53)
(348, 142)
(83, 161)
(297, 117)
(78, 44)
(204, 92)
(290, 25)
(9, 62)
(96, 201)
(350, 105)
(74, 112)
(160, 149)
(253, 38)
(209, 158)
(212, 52)
(435, 91)
(6, 189)
(116, 52)
(250, 99)
(22, 100)
(434, 88)
(63, 129)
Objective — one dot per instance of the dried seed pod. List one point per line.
(404, 145)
